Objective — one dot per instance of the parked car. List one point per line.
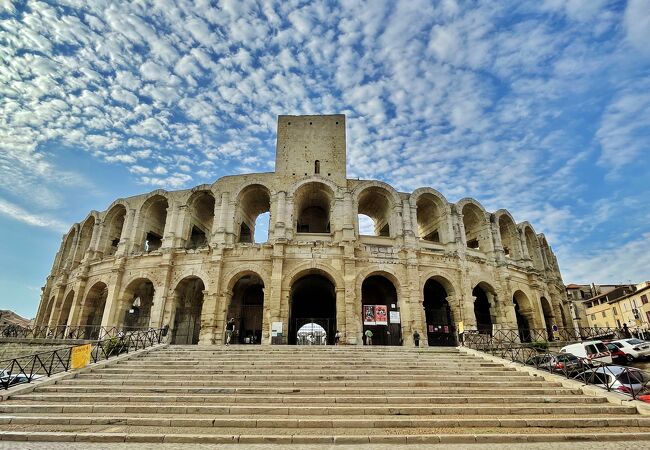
(633, 348)
(591, 350)
(618, 356)
(7, 378)
(617, 378)
(565, 363)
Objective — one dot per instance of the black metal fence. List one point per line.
(64, 332)
(25, 369)
(508, 344)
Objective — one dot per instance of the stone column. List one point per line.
(77, 302)
(273, 293)
(56, 307)
(93, 248)
(348, 217)
(112, 308)
(223, 302)
(129, 235)
(171, 225)
(341, 310)
(208, 333)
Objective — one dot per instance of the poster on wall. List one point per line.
(368, 314)
(394, 317)
(381, 315)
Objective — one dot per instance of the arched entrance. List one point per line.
(136, 304)
(440, 326)
(312, 301)
(93, 310)
(247, 308)
(377, 290)
(523, 313)
(482, 310)
(548, 317)
(65, 311)
(188, 301)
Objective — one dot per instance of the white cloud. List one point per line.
(17, 213)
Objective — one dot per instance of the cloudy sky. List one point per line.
(541, 107)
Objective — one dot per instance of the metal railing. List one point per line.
(25, 369)
(89, 332)
(514, 336)
(507, 344)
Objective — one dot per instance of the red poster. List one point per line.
(381, 315)
(368, 314)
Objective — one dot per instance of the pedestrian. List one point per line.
(230, 330)
(337, 337)
(368, 334)
(416, 338)
(626, 331)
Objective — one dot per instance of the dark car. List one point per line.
(565, 363)
(618, 356)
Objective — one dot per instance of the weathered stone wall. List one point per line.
(508, 260)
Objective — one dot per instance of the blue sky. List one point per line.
(542, 108)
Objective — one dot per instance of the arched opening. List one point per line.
(45, 320)
(533, 248)
(66, 256)
(482, 310)
(509, 237)
(188, 301)
(247, 308)
(153, 216)
(430, 217)
(85, 237)
(312, 301)
(93, 310)
(254, 201)
(200, 212)
(523, 314)
(548, 317)
(374, 202)
(136, 304)
(313, 206)
(311, 334)
(378, 294)
(477, 230)
(440, 325)
(113, 225)
(65, 310)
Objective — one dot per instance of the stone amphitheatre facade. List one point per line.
(187, 259)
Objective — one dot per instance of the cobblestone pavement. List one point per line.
(553, 445)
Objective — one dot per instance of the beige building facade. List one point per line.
(187, 259)
(631, 307)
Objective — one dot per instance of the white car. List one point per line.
(633, 348)
(621, 379)
(590, 350)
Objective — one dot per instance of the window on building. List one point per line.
(593, 317)
(615, 312)
(604, 313)
(624, 306)
(644, 299)
(317, 167)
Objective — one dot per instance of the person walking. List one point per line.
(230, 330)
(368, 334)
(337, 337)
(416, 338)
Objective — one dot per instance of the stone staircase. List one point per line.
(319, 395)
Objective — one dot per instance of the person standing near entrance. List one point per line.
(368, 334)
(230, 330)
(337, 337)
(416, 338)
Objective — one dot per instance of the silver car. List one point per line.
(617, 378)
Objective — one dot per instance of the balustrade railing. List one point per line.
(25, 369)
(530, 347)
(64, 332)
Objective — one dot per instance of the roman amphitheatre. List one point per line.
(187, 260)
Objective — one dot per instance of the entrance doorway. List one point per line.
(187, 318)
(247, 308)
(379, 291)
(440, 326)
(136, 304)
(312, 301)
(482, 311)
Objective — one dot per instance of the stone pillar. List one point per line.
(113, 305)
(348, 218)
(51, 320)
(93, 248)
(129, 235)
(77, 302)
(280, 215)
(353, 326)
(223, 302)
(162, 295)
(208, 333)
(341, 310)
(273, 293)
(412, 320)
(171, 225)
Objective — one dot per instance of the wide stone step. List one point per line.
(91, 387)
(274, 368)
(302, 410)
(360, 436)
(307, 400)
(300, 376)
(328, 422)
